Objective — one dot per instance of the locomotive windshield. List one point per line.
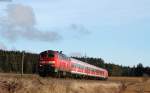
(50, 54)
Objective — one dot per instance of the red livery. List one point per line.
(55, 63)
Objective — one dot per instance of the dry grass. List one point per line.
(133, 84)
(36, 84)
(12, 83)
(126, 79)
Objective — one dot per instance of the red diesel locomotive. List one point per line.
(55, 63)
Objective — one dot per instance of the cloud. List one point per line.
(2, 46)
(31, 34)
(20, 15)
(79, 28)
(20, 22)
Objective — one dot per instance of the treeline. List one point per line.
(10, 61)
(117, 70)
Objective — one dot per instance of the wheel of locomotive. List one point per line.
(42, 74)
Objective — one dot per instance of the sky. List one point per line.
(114, 30)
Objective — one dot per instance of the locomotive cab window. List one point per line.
(51, 55)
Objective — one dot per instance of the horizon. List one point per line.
(116, 31)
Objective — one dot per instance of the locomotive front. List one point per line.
(47, 61)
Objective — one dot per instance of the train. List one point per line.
(55, 63)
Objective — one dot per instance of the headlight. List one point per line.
(51, 62)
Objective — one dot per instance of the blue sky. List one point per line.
(117, 31)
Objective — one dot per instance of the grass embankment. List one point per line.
(12, 83)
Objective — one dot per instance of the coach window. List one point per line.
(88, 69)
(81, 66)
(75, 65)
(93, 69)
(101, 72)
(72, 65)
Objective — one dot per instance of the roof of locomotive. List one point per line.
(52, 51)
